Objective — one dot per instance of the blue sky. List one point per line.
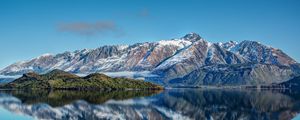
(30, 28)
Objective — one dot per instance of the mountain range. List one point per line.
(186, 61)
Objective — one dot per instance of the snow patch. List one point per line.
(175, 59)
(177, 42)
(122, 47)
(228, 45)
(44, 55)
(210, 53)
(209, 44)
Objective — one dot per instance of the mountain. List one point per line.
(237, 74)
(175, 61)
(5, 80)
(58, 79)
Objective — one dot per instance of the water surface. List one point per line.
(176, 104)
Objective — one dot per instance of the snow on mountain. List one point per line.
(228, 45)
(210, 52)
(137, 57)
(181, 55)
(257, 52)
(177, 42)
(167, 58)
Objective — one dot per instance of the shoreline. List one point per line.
(262, 87)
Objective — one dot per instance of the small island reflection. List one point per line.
(168, 104)
(58, 98)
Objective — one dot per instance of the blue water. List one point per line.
(177, 104)
(8, 115)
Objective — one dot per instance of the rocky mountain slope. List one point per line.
(174, 61)
(237, 74)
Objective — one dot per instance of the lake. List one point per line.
(178, 104)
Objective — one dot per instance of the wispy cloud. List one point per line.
(91, 29)
(144, 13)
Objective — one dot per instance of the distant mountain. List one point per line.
(58, 79)
(189, 60)
(236, 74)
(5, 80)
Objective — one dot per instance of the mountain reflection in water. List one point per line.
(154, 105)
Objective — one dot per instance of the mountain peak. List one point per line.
(46, 55)
(250, 42)
(192, 37)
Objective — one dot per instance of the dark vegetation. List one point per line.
(57, 98)
(60, 80)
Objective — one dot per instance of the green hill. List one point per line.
(58, 79)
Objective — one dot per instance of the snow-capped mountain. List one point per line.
(169, 59)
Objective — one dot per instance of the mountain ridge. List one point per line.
(170, 59)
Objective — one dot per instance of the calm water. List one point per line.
(169, 104)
